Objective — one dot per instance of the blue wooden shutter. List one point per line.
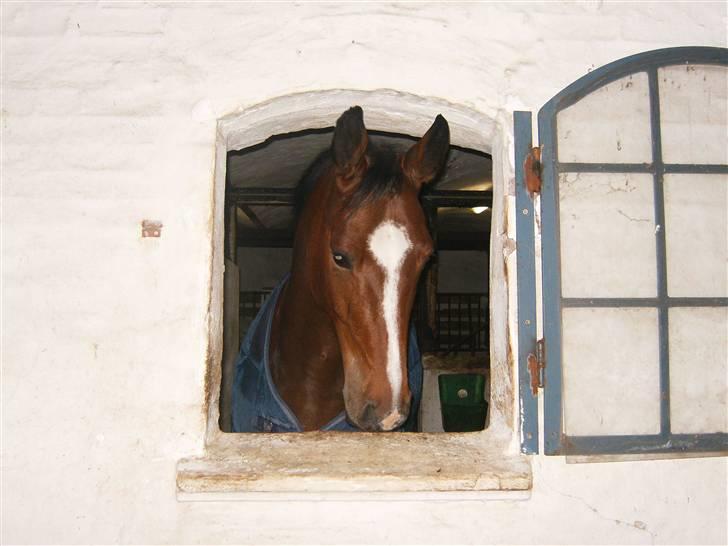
(526, 260)
(633, 158)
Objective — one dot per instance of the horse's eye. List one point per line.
(341, 259)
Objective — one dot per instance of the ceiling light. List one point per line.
(478, 210)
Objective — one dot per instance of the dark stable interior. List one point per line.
(451, 307)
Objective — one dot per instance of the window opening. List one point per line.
(451, 309)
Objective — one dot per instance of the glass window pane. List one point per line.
(607, 235)
(693, 115)
(610, 371)
(610, 125)
(696, 218)
(698, 369)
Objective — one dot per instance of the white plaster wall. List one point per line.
(108, 118)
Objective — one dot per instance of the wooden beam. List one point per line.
(458, 198)
(260, 196)
(270, 238)
(281, 238)
(285, 197)
(231, 232)
(247, 211)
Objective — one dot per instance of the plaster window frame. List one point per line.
(480, 465)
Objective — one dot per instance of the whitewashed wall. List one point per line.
(108, 118)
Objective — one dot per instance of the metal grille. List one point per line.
(461, 323)
(461, 319)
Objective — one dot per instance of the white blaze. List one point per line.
(389, 244)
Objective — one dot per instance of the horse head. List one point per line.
(367, 242)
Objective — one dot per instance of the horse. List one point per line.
(332, 348)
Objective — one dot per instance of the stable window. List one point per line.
(634, 165)
(482, 464)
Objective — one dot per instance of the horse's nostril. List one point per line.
(368, 420)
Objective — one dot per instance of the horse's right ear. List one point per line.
(427, 158)
(349, 148)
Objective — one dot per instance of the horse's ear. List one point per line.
(425, 159)
(349, 148)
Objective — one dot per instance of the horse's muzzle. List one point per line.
(370, 421)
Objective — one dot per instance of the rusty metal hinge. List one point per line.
(532, 170)
(537, 367)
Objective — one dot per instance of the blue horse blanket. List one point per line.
(256, 404)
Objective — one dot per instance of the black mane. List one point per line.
(383, 178)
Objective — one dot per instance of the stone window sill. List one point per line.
(341, 466)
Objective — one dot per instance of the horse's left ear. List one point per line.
(349, 148)
(426, 158)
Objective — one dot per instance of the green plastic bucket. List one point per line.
(462, 401)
